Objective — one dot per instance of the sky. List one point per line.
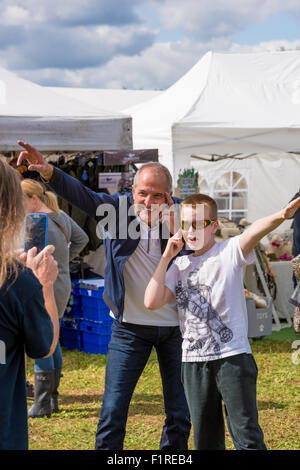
(135, 44)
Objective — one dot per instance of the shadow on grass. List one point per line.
(267, 405)
(140, 404)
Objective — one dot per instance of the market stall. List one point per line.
(231, 116)
(92, 145)
(234, 118)
(35, 114)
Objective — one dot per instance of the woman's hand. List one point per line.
(43, 264)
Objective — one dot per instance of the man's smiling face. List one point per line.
(149, 195)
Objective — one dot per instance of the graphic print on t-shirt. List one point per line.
(203, 328)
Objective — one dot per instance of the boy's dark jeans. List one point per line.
(232, 379)
(129, 350)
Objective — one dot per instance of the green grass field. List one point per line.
(82, 387)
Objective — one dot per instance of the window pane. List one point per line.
(239, 200)
(203, 186)
(235, 178)
(222, 202)
(242, 184)
(223, 216)
(231, 195)
(223, 182)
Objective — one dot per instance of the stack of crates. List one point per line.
(96, 322)
(71, 335)
(86, 324)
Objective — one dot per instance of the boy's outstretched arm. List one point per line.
(156, 293)
(261, 227)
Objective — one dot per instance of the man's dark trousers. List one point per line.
(129, 350)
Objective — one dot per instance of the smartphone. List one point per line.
(36, 228)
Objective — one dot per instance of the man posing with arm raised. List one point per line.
(132, 257)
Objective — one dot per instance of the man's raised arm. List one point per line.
(64, 185)
(261, 227)
(36, 160)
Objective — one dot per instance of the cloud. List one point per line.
(207, 19)
(118, 44)
(72, 47)
(267, 46)
(69, 12)
(156, 67)
(71, 34)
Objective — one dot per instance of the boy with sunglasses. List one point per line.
(207, 285)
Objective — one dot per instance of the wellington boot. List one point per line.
(54, 395)
(43, 386)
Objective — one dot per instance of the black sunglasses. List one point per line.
(196, 224)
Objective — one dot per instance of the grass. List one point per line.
(82, 388)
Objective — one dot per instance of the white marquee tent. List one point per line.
(232, 116)
(37, 115)
(107, 98)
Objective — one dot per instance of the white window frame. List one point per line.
(214, 192)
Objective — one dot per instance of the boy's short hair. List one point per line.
(197, 199)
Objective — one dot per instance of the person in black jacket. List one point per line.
(133, 248)
(28, 313)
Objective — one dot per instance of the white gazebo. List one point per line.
(52, 122)
(235, 117)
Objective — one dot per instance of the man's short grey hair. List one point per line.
(159, 168)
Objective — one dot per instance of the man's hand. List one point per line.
(43, 265)
(169, 214)
(35, 159)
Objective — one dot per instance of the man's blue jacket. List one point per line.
(119, 245)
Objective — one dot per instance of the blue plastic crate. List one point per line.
(71, 333)
(100, 328)
(92, 288)
(75, 283)
(73, 308)
(95, 337)
(94, 309)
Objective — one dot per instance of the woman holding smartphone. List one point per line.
(28, 312)
(68, 239)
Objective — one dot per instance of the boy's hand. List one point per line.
(174, 246)
(35, 159)
(289, 211)
(261, 227)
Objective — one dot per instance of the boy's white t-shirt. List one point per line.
(211, 302)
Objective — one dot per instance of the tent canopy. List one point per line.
(109, 99)
(37, 115)
(153, 120)
(250, 104)
(228, 103)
